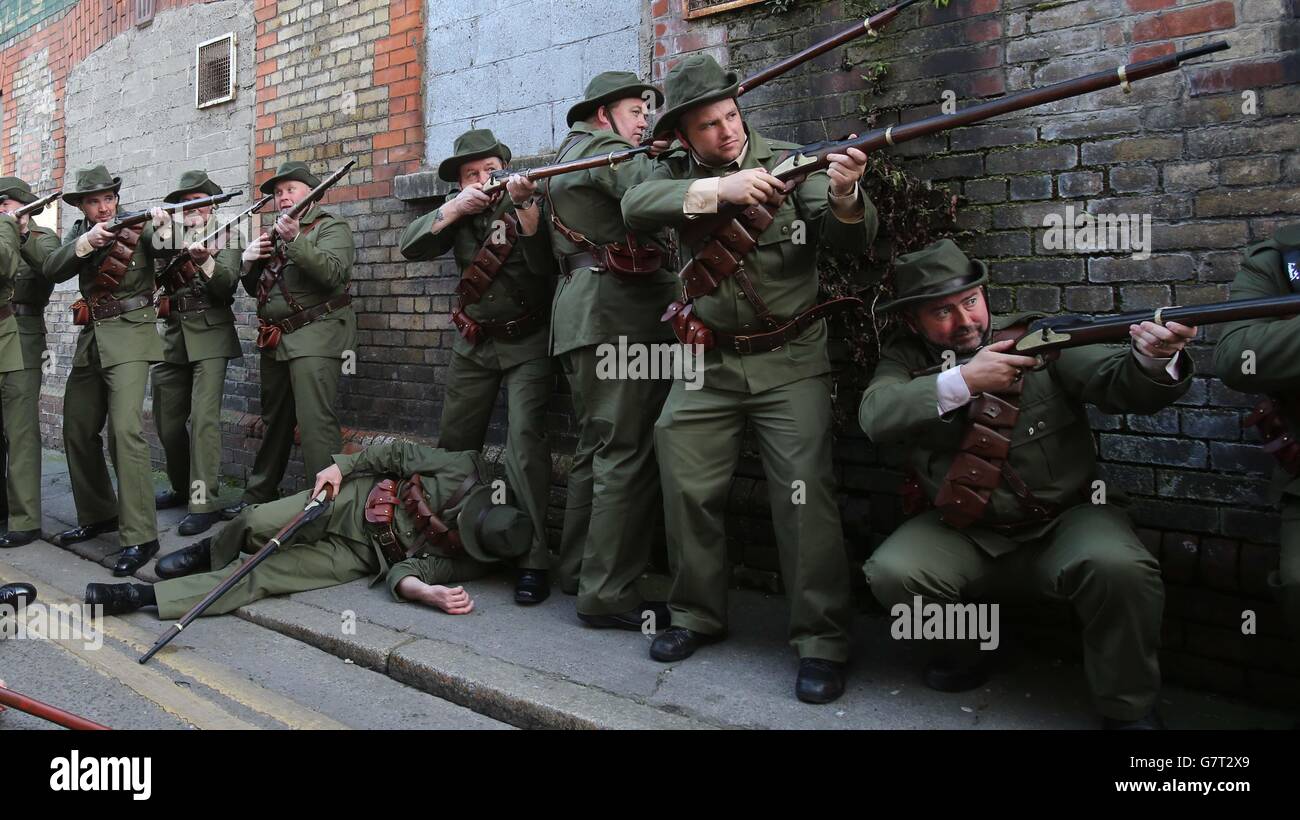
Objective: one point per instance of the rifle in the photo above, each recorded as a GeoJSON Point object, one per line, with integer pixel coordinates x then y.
{"type": "Point", "coordinates": [1045, 338]}
{"type": "Point", "coordinates": [54, 714]}
{"type": "Point", "coordinates": [140, 217]}
{"type": "Point", "coordinates": [314, 509]}
{"type": "Point", "coordinates": [180, 269]}
{"type": "Point", "coordinates": [872, 25]}
{"type": "Point", "coordinates": [276, 263]}
{"type": "Point", "coordinates": [37, 205]}
{"type": "Point", "coordinates": [812, 158]}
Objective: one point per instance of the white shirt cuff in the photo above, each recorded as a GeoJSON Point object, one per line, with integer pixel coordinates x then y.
{"type": "Point", "coordinates": [83, 246]}
{"type": "Point", "coordinates": [953, 392]}
{"type": "Point", "coordinates": [702, 197]}
{"type": "Point", "coordinates": [1153, 366]}
{"type": "Point", "coordinates": [208, 266]}
{"type": "Point", "coordinates": [848, 209]}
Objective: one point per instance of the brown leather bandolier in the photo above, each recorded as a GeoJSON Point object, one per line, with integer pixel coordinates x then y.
{"type": "Point", "coordinates": [381, 507]}
{"type": "Point", "coordinates": [629, 260]}
{"type": "Point", "coordinates": [1279, 438]}
{"type": "Point", "coordinates": [722, 257]}
{"type": "Point", "coordinates": [478, 278]}
{"type": "Point", "coordinates": [177, 284]}
{"type": "Point", "coordinates": [269, 333]}
{"type": "Point", "coordinates": [983, 461]}
{"type": "Point", "coordinates": [100, 304]}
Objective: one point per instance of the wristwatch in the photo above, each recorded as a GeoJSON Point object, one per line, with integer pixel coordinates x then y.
{"type": "Point", "coordinates": [527, 203]}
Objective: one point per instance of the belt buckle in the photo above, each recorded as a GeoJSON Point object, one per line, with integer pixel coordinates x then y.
{"type": "Point", "coordinates": [741, 344]}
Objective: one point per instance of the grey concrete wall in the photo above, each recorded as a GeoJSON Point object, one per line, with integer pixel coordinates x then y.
{"type": "Point", "coordinates": [130, 106]}
{"type": "Point", "coordinates": [516, 66]}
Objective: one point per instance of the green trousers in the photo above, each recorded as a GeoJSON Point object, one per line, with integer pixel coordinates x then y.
{"type": "Point", "coordinates": [20, 395]}
{"type": "Point", "coordinates": [92, 396]}
{"type": "Point", "coordinates": [611, 516]}
{"type": "Point", "coordinates": [191, 392]}
{"type": "Point", "coordinates": [466, 411]}
{"type": "Point", "coordinates": [313, 559]}
{"type": "Point", "coordinates": [1091, 558]}
{"type": "Point", "coordinates": [698, 439]}
{"type": "Point", "coordinates": [295, 392]}
{"type": "Point", "coordinates": [1287, 580]}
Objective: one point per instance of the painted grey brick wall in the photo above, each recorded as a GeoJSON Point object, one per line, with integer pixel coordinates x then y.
{"type": "Point", "coordinates": [516, 66]}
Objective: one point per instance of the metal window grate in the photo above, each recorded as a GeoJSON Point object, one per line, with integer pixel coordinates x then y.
{"type": "Point", "coordinates": [214, 71]}
{"type": "Point", "coordinates": [144, 12]}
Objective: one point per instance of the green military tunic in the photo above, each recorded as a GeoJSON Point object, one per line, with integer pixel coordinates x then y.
{"type": "Point", "coordinates": [300, 377]}
{"type": "Point", "coordinates": [109, 374]}
{"type": "Point", "coordinates": [521, 287]}
{"type": "Point", "coordinates": [1273, 348]}
{"type": "Point", "coordinates": [21, 389]}
{"type": "Point", "coordinates": [1088, 554]}
{"type": "Point", "coordinates": [786, 396]}
{"type": "Point", "coordinates": [338, 547]}
{"type": "Point", "coordinates": [612, 510]}
{"type": "Point", "coordinates": [189, 383]}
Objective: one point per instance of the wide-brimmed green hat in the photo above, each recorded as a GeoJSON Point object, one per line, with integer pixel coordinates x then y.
{"type": "Point", "coordinates": [194, 182]}
{"type": "Point", "coordinates": [474, 144]}
{"type": "Point", "coordinates": [938, 269]}
{"type": "Point", "coordinates": [15, 188]}
{"type": "Point", "coordinates": [92, 181]}
{"type": "Point", "coordinates": [296, 171]}
{"type": "Point", "coordinates": [697, 80]}
{"type": "Point", "coordinates": [493, 532]}
{"type": "Point", "coordinates": [1288, 236]}
{"type": "Point", "coordinates": [608, 87]}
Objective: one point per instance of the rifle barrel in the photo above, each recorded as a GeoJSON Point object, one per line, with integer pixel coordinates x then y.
{"type": "Point", "coordinates": [871, 25]}
{"type": "Point", "coordinates": [54, 714]}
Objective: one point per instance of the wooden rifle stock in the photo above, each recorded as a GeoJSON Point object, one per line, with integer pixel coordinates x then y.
{"type": "Point", "coordinates": [53, 714]}
{"type": "Point", "coordinates": [140, 217]}
{"type": "Point", "coordinates": [178, 261]}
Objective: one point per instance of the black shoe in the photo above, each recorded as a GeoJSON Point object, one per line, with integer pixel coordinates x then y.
{"type": "Point", "coordinates": [632, 619]}
{"type": "Point", "coordinates": [1150, 721]}
{"type": "Point", "coordinates": [167, 499]}
{"type": "Point", "coordinates": [532, 586]}
{"type": "Point", "coordinates": [84, 533]}
{"type": "Point", "coordinates": [230, 513]}
{"type": "Point", "coordinates": [119, 599]}
{"type": "Point", "coordinates": [819, 680]}
{"type": "Point", "coordinates": [677, 643]}
{"type": "Point", "coordinates": [16, 595]}
{"type": "Point", "coordinates": [197, 557]}
{"type": "Point", "coordinates": [132, 558]}
{"type": "Point", "coordinates": [18, 538]}
{"type": "Point", "coordinates": [195, 523]}
{"type": "Point", "coordinates": [957, 673]}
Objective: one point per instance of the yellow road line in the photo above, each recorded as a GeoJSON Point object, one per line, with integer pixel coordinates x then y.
{"type": "Point", "coordinates": [215, 676]}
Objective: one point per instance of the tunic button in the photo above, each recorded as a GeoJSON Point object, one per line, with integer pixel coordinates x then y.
{"type": "Point", "coordinates": [740, 295]}
{"type": "Point", "coordinates": [490, 297]}
{"type": "Point", "coordinates": [785, 229]}
{"type": "Point", "coordinates": [1042, 425]}
{"type": "Point", "coordinates": [1031, 431]}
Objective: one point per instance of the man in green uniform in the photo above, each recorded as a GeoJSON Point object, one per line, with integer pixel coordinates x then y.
{"type": "Point", "coordinates": [501, 317]}
{"type": "Point", "coordinates": [116, 345]}
{"type": "Point", "coordinates": [417, 516]}
{"type": "Point", "coordinates": [198, 340]}
{"type": "Point", "coordinates": [778, 383]}
{"type": "Point", "coordinates": [307, 330]}
{"type": "Point", "coordinates": [21, 389]}
{"type": "Point", "coordinates": [1262, 356]}
{"type": "Point", "coordinates": [612, 508]}
{"type": "Point", "coordinates": [1005, 454]}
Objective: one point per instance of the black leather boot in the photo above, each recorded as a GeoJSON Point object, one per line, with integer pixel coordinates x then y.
{"type": "Point", "coordinates": [132, 558]}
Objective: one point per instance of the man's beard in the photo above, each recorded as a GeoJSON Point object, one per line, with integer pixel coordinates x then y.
{"type": "Point", "coordinates": [970, 341]}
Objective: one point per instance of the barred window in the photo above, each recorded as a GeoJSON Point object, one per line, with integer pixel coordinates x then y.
{"type": "Point", "coordinates": [214, 71]}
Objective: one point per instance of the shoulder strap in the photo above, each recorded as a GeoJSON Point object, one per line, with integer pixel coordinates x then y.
{"type": "Point", "coordinates": [567, 232]}
{"type": "Point", "coordinates": [487, 262]}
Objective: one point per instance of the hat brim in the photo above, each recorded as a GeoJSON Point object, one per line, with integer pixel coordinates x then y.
{"type": "Point", "coordinates": [668, 120]}
{"type": "Point", "coordinates": [296, 175]}
{"type": "Point", "coordinates": [469, 522]}
{"type": "Point", "coordinates": [980, 277]}
{"type": "Point", "coordinates": [208, 188]}
{"type": "Point", "coordinates": [1288, 236]}
{"type": "Point", "coordinates": [25, 197]}
{"type": "Point", "coordinates": [75, 197]}
{"type": "Point", "coordinates": [585, 108]}
{"type": "Point", "coordinates": [449, 168]}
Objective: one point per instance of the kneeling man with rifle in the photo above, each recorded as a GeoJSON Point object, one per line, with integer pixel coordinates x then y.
{"type": "Point", "coordinates": [999, 444]}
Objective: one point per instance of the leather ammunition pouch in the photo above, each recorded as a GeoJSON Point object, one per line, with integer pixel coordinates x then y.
{"type": "Point", "coordinates": [120, 253]}
{"type": "Point", "coordinates": [1279, 438]}
{"type": "Point", "coordinates": [381, 509]}
{"type": "Point", "coordinates": [478, 278]}
{"type": "Point", "coordinates": [270, 333]}
{"type": "Point", "coordinates": [272, 275]}
{"type": "Point", "coordinates": [84, 312]}
{"type": "Point", "coordinates": [176, 278]}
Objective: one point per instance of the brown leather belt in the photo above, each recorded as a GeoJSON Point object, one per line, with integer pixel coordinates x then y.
{"type": "Point", "coordinates": [112, 308]}
{"type": "Point", "coordinates": [513, 329]}
{"type": "Point", "coordinates": [381, 509]}
{"type": "Point", "coordinates": [24, 309]}
{"type": "Point", "coordinates": [784, 334]}
{"type": "Point", "coordinates": [184, 303]}
{"type": "Point", "coordinates": [302, 318]}
{"type": "Point", "coordinates": [577, 261]}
